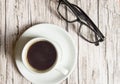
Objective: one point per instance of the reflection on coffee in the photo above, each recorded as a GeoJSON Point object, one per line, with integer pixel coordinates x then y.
{"type": "Point", "coordinates": [42, 55]}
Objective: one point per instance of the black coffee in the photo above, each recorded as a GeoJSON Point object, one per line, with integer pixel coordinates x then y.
{"type": "Point", "coordinates": [42, 55]}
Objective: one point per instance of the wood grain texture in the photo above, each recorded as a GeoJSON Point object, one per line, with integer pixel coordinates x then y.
{"type": "Point", "coordinates": [89, 53]}
{"type": "Point", "coordinates": [2, 44]}
{"type": "Point", "coordinates": [96, 65]}
{"type": "Point", "coordinates": [110, 24]}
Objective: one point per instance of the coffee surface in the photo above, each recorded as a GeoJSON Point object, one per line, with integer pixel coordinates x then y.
{"type": "Point", "coordinates": [42, 55]}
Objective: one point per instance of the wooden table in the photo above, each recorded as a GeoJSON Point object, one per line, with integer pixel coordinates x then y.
{"type": "Point", "coordinates": [96, 65]}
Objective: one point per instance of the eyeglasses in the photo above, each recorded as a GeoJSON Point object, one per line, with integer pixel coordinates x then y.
{"type": "Point", "coordinates": [87, 29]}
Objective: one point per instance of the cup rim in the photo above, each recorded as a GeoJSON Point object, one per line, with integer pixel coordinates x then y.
{"type": "Point", "coordinates": [26, 48]}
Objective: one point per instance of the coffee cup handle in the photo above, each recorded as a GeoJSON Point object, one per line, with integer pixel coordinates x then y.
{"type": "Point", "coordinates": [62, 70]}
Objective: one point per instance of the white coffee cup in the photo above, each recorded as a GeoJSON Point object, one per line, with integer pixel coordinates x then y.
{"type": "Point", "coordinates": [57, 64]}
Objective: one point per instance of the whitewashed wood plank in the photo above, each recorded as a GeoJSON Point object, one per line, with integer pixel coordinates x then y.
{"type": "Point", "coordinates": [23, 21]}
{"type": "Point", "coordinates": [2, 43]}
{"type": "Point", "coordinates": [110, 21]}
{"type": "Point", "coordinates": [10, 37]}
{"type": "Point", "coordinates": [103, 24]}
{"type": "Point", "coordinates": [12, 31]}
{"type": "Point", "coordinates": [89, 53]}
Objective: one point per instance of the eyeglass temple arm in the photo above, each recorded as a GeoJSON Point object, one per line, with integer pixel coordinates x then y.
{"type": "Point", "coordinates": [86, 18]}
{"type": "Point", "coordinates": [81, 14]}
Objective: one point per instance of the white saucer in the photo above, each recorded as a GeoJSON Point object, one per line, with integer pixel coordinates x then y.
{"type": "Point", "coordinates": [60, 36]}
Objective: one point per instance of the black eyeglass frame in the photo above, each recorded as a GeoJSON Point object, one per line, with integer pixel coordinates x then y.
{"type": "Point", "coordinates": [82, 16]}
